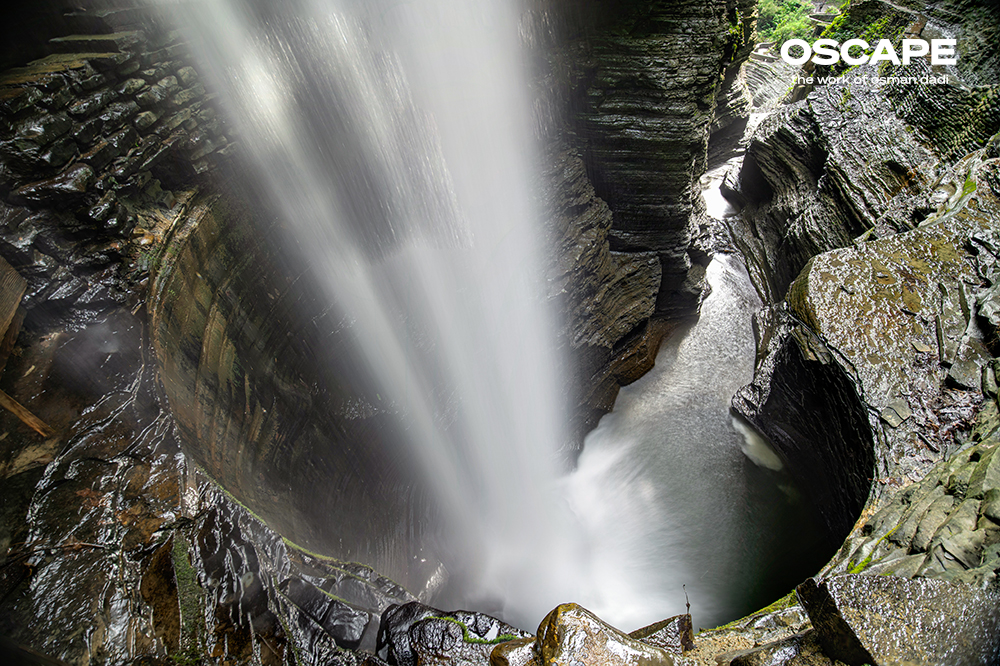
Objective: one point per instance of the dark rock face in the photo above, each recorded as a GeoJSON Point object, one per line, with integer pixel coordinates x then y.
{"type": "Point", "coordinates": [808, 407]}
{"type": "Point", "coordinates": [279, 419]}
{"type": "Point", "coordinates": [346, 625]}
{"type": "Point", "coordinates": [648, 102]}
{"type": "Point", "coordinates": [88, 157]}
{"type": "Point", "coordinates": [603, 296]}
{"type": "Point", "coordinates": [813, 183]}
{"type": "Point", "coordinates": [890, 620]}
{"type": "Point", "coordinates": [627, 98]}
{"type": "Point", "coordinates": [847, 161]}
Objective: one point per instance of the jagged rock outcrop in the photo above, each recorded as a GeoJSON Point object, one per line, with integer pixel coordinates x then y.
{"type": "Point", "coordinates": [604, 296]}
{"type": "Point", "coordinates": [856, 157]}
{"type": "Point", "coordinates": [93, 137]}
{"type": "Point", "coordinates": [811, 183]}
{"type": "Point", "coordinates": [414, 634]}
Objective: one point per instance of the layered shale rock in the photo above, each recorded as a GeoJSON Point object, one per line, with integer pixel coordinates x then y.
{"type": "Point", "coordinates": [606, 298]}
{"type": "Point", "coordinates": [626, 100]}
{"type": "Point", "coordinates": [855, 157]}
{"type": "Point", "coordinates": [652, 79]}
{"type": "Point", "coordinates": [93, 138]}
{"type": "Point", "coordinates": [901, 317]}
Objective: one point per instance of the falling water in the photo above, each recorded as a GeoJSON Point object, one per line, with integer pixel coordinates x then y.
{"type": "Point", "coordinates": [393, 138]}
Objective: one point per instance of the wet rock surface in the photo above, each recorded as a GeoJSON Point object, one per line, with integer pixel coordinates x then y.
{"type": "Point", "coordinates": [571, 634]}
{"type": "Point", "coordinates": [675, 634]}
{"type": "Point", "coordinates": [890, 620]}
{"type": "Point", "coordinates": [414, 634]}
{"type": "Point", "coordinates": [93, 138]}
{"type": "Point", "coordinates": [110, 523]}
{"type": "Point", "coordinates": [116, 548]}
{"type": "Point", "coordinates": [901, 314]}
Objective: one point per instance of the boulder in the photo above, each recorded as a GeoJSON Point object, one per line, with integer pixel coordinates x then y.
{"type": "Point", "coordinates": [573, 636]}
{"type": "Point", "coordinates": [394, 632]}
{"type": "Point", "coordinates": [520, 652]}
{"type": "Point", "coordinates": [875, 620]}
{"type": "Point", "coordinates": [675, 634]}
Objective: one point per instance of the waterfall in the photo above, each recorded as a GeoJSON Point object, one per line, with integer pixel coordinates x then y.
{"type": "Point", "coordinates": [394, 139]}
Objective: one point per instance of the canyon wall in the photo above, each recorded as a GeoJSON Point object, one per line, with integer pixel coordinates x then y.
{"type": "Point", "coordinates": [869, 217]}
{"type": "Point", "coordinates": [627, 98]}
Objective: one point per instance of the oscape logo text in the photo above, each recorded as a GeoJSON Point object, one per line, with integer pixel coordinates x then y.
{"type": "Point", "coordinates": [830, 52]}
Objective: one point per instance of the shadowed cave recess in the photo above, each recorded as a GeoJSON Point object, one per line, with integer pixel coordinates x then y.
{"type": "Point", "coordinates": [362, 278]}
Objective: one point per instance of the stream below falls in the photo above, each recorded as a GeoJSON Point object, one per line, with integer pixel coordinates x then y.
{"type": "Point", "coordinates": [668, 493]}
{"type": "Point", "coordinates": [679, 500]}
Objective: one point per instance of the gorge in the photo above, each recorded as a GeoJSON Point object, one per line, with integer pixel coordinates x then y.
{"type": "Point", "coordinates": [166, 307]}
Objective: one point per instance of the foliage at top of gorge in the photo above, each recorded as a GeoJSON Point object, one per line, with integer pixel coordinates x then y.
{"type": "Point", "coordinates": [781, 20]}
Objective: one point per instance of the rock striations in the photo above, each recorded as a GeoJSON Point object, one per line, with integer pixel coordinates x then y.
{"type": "Point", "coordinates": [627, 98]}
{"type": "Point", "coordinates": [870, 210]}
{"type": "Point", "coordinates": [92, 139]}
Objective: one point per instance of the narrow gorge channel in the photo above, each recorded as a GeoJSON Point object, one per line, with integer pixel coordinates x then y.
{"type": "Point", "coordinates": [678, 497]}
